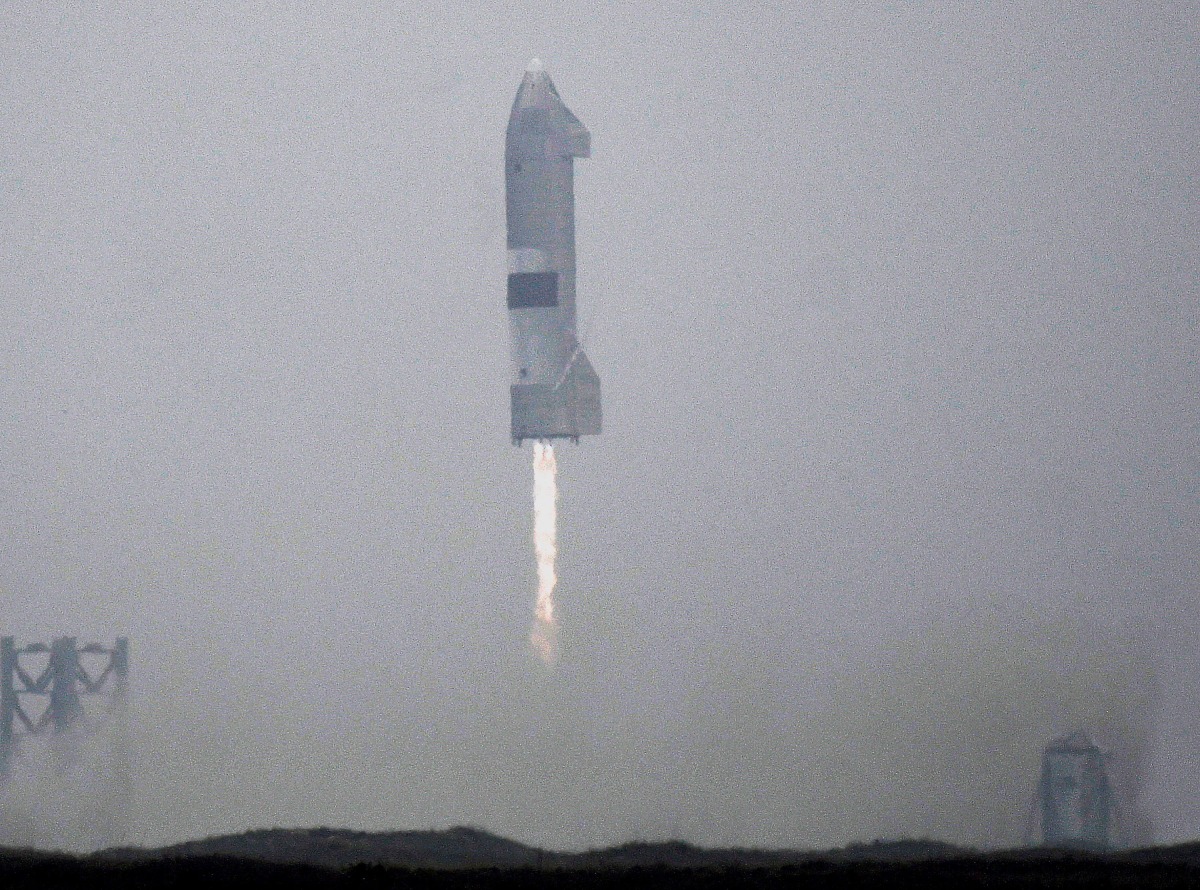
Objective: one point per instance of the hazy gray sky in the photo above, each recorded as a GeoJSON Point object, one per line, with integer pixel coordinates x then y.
{"type": "Point", "coordinates": [895, 308]}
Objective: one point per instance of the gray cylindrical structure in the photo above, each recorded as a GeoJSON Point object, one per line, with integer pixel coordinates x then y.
{"type": "Point", "coordinates": [555, 392]}
{"type": "Point", "coordinates": [65, 707]}
{"type": "Point", "coordinates": [1075, 795]}
{"type": "Point", "coordinates": [120, 664]}
{"type": "Point", "coordinates": [8, 703]}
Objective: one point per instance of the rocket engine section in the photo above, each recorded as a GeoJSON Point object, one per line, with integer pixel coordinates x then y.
{"type": "Point", "coordinates": [1075, 795]}
{"type": "Point", "coordinates": [555, 393]}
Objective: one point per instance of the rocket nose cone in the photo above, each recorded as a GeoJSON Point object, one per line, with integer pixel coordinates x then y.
{"type": "Point", "coordinates": [536, 90]}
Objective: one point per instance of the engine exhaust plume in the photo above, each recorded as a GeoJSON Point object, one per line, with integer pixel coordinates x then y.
{"type": "Point", "coordinates": [544, 635]}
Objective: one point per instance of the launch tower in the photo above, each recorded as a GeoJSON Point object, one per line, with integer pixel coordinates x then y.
{"type": "Point", "coordinates": [43, 688]}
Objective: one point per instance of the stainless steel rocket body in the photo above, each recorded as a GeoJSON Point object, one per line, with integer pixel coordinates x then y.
{"type": "Point", "coordinates": [555, 392]}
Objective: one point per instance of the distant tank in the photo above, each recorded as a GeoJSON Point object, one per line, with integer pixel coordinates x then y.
{"type": "Point", "coordinates": [1075, 795]}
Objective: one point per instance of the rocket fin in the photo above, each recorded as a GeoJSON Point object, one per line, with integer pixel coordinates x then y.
{"type": "Point", "coordinates": [567, 410]}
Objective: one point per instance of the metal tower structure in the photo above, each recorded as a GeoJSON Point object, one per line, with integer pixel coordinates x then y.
{"type": "Point", "coordinates": [63, 681]}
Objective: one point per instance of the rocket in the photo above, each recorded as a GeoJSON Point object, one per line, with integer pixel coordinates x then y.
{"type": "Point", "coordinates": [555, 391]}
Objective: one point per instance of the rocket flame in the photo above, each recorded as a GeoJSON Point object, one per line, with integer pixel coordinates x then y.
{"type": "Point", "coordinates": [544, 635]}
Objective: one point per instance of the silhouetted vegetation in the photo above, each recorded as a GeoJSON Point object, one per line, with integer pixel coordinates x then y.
{"type": "Point", "coordinates": [44, 872]}
{"type": "Point", "coordinates": [471, 858]}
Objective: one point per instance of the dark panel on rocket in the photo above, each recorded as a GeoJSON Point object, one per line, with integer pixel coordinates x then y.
{"type": "Point", "coordinates": [533, 290]}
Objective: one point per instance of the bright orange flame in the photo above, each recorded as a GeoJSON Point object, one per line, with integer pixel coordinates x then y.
{"type": "Point", "coordinates": [544, 636]}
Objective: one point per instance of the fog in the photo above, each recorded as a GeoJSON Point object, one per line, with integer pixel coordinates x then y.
{"type": "Point", "coordinates": [895, 309]}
